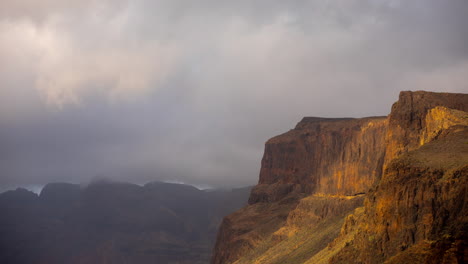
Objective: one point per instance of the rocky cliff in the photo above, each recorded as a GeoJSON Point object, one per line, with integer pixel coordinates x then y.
{"type": "Point", "coordinates": [364, 190]}
{"type": "Point", "coordinates": [341, 156]}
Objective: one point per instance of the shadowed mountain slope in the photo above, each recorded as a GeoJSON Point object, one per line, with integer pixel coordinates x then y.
{"type": "Point", "coordinates": [110, 222]}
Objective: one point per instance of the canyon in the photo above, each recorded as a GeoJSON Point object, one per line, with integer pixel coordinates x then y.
{"type": "Point", "coordinates": [389, 189]}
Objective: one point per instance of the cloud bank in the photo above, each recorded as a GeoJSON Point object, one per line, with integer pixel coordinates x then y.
{"type": "Point", "coordinates": [174, 90]}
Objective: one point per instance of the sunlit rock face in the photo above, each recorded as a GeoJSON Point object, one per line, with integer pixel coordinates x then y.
{"type": "Point", "coordinates": [322, 155]}
{"type": "Point", "coordinates": [418, 212]}
{"type": "Point", "coordinates": [410, 168]}
{"type": "Point", "coordinates": [407, 120]}
{"type": "Point", "coordinates": [439, 119]}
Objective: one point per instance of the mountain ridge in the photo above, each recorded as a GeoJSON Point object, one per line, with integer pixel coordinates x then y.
{"type": "Point", "coordinates": [113, 222]}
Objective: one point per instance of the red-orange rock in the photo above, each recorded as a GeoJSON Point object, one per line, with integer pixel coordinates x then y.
{"type": "Point", "coordinates": [322, 155]}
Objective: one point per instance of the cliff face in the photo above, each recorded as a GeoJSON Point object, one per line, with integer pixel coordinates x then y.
{"type": "Point", "coordinates": [322, 155]}
{"type": "Point", "coordinates": [412, 166]}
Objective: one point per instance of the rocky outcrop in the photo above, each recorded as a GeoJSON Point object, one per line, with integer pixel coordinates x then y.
{"type": "Point", "coordinates": [439, 119]}
{"type": "Point", "coordinates": [411, 167]}
{"type": "Point", "coordinates": [407, 120]}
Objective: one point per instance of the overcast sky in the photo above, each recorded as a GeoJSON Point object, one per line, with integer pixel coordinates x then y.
{"type": "Point", "coordinates": [189, 91]}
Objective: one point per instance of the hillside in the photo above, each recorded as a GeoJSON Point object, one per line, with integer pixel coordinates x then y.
{"type": "Point", "coordinates": [110, 222]}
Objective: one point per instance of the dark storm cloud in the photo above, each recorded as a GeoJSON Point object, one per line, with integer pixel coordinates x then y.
{"type": "Point", "coordinates": [190, 91]}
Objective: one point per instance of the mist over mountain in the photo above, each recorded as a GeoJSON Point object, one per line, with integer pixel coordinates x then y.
{"type": "Point", "coordinates": [113, 222]}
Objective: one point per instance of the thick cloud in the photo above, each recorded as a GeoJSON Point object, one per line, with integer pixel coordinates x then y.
{"type": "Point", "coordinates": [190, 91]}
